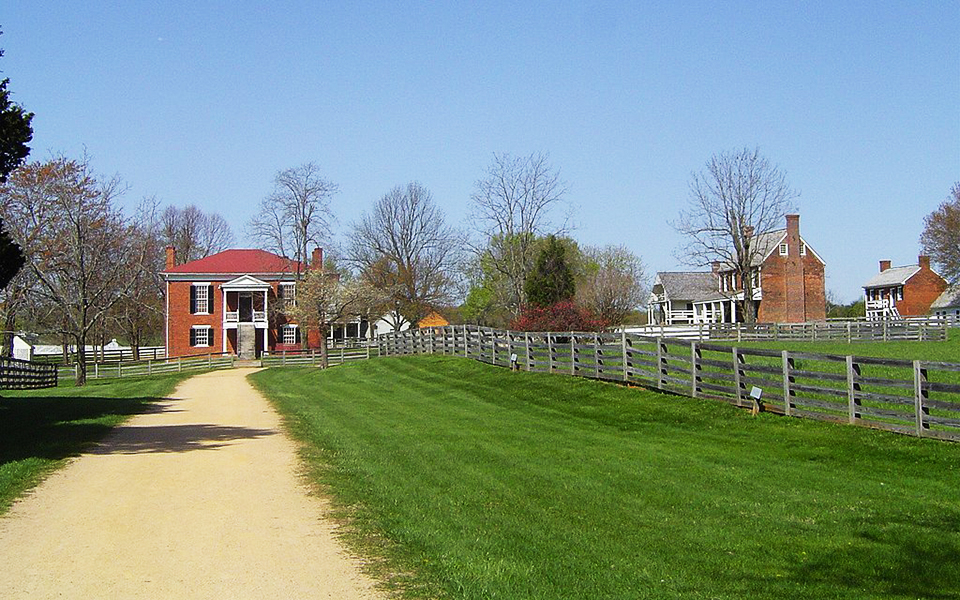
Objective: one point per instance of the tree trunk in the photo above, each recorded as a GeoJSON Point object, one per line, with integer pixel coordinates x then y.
{"type": "Point", "coordinates": [9, 323]}
{"type": "Point", "coordinates": [82, 360]}
{"type": "Point", "coordinates": [323, 348]}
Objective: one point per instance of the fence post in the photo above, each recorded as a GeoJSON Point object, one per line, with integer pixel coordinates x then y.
{"type": "Point", "coordinates": [694, 369]}
{"type": "Point", "coordinates": [179, 364]}
{"type": "Point", "coordinates": [96, 370]}
{"type": "Point", "coordinates": [149, 367]}
{"type": "Point", "coordinates": [623, 350]}
{"type": "Point", "coordinates": [573, 354]}
{"type": "Point", "coordinates": [596, 355]}
{"type": "Point", "coordinates": [210, 361]}
{"type": "Point", "coordinates": [550, 352]}
{"type": "Point", "coordinates": [120, 370]}
{"type": "Point", "coordinates": [853, 400]}
{"type": "Point", "coordinates": [919, 395]}
{"type": "Point", "coordinates": [787, 379]}
{"type": "Point", "coordinates": [661, 361]}
{"type": "Point", "coordinates": [343, 354]}
{"type": "Point", "coordinates": [466, 350]}
{"type": "Point", "coordinates": [737, 375]}
{"type": "Point", "coordinates": [884, 329]}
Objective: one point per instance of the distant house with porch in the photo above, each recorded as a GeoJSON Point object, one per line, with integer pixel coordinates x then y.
{"type": "Point", "coordinates": [787, 277]}
{"type": "Point", "coordinates": [233, 302]}
{"type": "Point", "coordinates": [907, 291]}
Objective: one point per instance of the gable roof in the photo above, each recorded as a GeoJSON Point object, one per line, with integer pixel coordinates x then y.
{"type": "Point", "coordinates": [240, 262]}
{"type": "Point", "coordinates": [892, 276]}
{"type": "Point", "coordinates": [767, 243]}
{"type": "Point", "coordinates": [688, 285]}
{"type": "Point", "coordinates": [949, 298]}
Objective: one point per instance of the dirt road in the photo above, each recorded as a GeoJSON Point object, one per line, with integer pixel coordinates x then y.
{"type": "Point", "coordinates": [198, 499]}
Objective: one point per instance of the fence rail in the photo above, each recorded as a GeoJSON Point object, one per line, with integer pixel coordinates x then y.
{"type": "Point", "coordinates": [915, 397]}
{"type": "Point", "coordinates": [335, 356]}
{"type": "Point", "coordinates": [98, 355]}
{"type": "Point", "coordinates": [24, 375]}
{"type": "Point", "coordinates": [147, 367]}
{"type": "Point", "coordinates": [932, 329]}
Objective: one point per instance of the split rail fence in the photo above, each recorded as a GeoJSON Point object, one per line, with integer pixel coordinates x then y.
{"type": "Point", "coordinates": [25, 375]}
{"type": "Point", "coordinates": [142, 368]}
{"type": "Point", "coordinates": [335, 356]}
{"type": "Point", "coordinates": [838, 331]}
{"type": "Point", "coordinates": [914, 397]}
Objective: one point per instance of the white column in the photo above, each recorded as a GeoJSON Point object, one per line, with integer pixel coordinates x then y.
{"type": "Point", "coordinates": [223, 318]}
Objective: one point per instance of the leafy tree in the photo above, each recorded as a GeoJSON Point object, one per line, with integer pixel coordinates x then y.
{"type": "Point", "coordinates": [551, 280]}
{"type": "Point", "coordinates": [511, 210]}
{"type": "Point", "coordinates": [15, 131]}
{"type": "Point", "coordinates": [739, 197]}
{"type": "Point", "coordinates": [562, 316]}
{"type": "Point", "coordinates": [405, 248]}
{"type": "Point", "coordinates": [941, 236]}
{"type": "Point", "coordinates": [613, 285]}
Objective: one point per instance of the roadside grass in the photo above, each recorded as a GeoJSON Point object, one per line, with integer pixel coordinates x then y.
{"type": "Point", "coordinates": [469, 481]}
{"type": "Point", "coordinates": [41, 429]}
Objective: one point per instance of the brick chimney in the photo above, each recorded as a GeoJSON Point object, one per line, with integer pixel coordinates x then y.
{"type": "Point", "coordinates": [171, 258]}
{"type": "Point", "coordinates": [794, 285]}
{"type": "Point", "coordinates": [884, 265]}
{"type": "Point", "coordinates": [924, 262]}
{"type": "Point", "coordinates": [716, 266]}
{"type": "Point", "coordinates": [793, 227]}
{"type": "Point", "coordinates": [317, 261]}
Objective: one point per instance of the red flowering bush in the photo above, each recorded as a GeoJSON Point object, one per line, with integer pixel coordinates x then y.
{"type": "Point", "coordinates": [562, 316]}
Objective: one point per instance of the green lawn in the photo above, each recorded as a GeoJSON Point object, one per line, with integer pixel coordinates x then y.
{"type": "Point", "coordinates": [474, 482]}
{"type": "Point", "coordinates": [947, 351]}
{"type": "Point", "coordinates": [40, 429]}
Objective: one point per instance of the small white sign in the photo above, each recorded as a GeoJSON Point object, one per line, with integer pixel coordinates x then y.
{"type": "Point", "coordinates": [513, 358]}
{"type": "Point", "coordinates": [755, 393]}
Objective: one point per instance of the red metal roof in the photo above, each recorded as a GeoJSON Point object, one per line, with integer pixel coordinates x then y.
{"type": "Point", "coordinates": [239, 262]}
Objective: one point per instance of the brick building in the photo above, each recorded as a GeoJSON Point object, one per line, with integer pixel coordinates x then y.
{"type": "Point", "coordinates": [788, 285]}
{"type": "Point", "coordinates": [233, 302]}
{"type": "Point", "coordinates": [906, 291]}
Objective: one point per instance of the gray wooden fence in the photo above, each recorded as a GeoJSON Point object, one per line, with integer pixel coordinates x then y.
{"type": "Point", "coordinates": [914, 329]}
{"type": "Point", "coordinates": [915, 397]}
{"type": "Point", "coordinates": [23, 375]}
{"type": "Point", "coordinates": [147, 367]}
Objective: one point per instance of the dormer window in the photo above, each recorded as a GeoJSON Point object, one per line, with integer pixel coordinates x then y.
{"type": "Point", "coordinates": [783, 249]}
{"type": "Point", "coordinates": [803, 249]}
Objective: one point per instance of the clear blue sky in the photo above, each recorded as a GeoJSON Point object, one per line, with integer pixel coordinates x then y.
{"type": "Point", "coordinates": [202, 103]}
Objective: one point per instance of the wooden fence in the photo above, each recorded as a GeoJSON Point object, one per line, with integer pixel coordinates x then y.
{"type": "Point", "coordinates": [24, 375]}
{"type": "Point", "coordinates": [98, 355]}
{"type": "Point", "coordinates": [838, 331]}
{"type": "Point", "coordinates": [915, 397]}
{"type": "Point", "coordinates": [148, 367]}
{"type": "Point", "coordinates": [335, 356]}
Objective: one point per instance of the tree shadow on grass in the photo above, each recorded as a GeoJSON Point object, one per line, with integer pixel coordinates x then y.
{"type": "Point", "coordinates": [58, 427]}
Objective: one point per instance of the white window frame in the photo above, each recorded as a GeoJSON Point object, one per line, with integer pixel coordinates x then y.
{"type": "Point", "coordinates": [206, 299]}
{"type": "Point", "coordinates": [209, 333]}
{"type": "Point", "coordinates": [784, 249]}
{"type": "Point", "coordinates": [284, 331]}
{"type": "Point", "coordinates": [289, 293]}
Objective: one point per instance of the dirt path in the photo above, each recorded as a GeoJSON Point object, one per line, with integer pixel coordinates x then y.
{"type": "Point", "coordinates": [199, 499]}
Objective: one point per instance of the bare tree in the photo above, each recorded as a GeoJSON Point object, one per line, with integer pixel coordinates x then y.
{"type": "Point", "coordinates": [193, 233]}
{"type": "Point", "coordinates": [941, 236]}
{"type": "Point", "coordinates": [614, 283]}
{"type": "Point", "coordinates": [404, 247]}
{"type": "Point", "coordinates": [86, 257]}
{"type": "Point", "coordinates": [323, 298]}
{"type": "Point", "coordinates": [739, 197]}
{"type": "Point", "coordinates": [297, 215]}
{"type": "Point", "coordinates": [511, 209]}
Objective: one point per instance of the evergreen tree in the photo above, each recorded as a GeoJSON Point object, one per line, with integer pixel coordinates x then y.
{"type": "Point", "coordinates": [551, 279]}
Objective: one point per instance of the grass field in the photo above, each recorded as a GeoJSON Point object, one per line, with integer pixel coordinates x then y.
{"type": "Point", "coordinates": [474, 482]}
{"type": "Point", "coordinates": [947, 351]}
{"type": "Point", "coordinates": [40, 429]}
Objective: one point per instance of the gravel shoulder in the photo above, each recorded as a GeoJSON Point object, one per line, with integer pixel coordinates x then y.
{"type": "Point", "coordinates": [200, 498]}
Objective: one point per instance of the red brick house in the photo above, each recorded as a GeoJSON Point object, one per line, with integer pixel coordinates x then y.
{"type": "Point", "coordinates": [788, 286]}
{"type": "Point", "coordinates": [233, 302]}
{"type": "Point", "coordinates": [907, 291]}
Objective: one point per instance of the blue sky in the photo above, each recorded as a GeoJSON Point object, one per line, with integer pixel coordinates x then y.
{"type": "Point", "coordinates": [202, 103]}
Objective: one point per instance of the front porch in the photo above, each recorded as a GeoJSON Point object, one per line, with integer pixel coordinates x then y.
{"type": "Point", "coordinates": [245, 316]}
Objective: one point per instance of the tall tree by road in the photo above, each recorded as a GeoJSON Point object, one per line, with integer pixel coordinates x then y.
{"type": "Point", "coordinates": [512, 207]}
{"type": "Point", "coordinates": [738, 197]}
{"type": "Point", "coordinates": [297, 215]}
{"type": "Point", "coordinates": [83, 254]}
{"type": "Point", "coordinates": [403, 246]}
{"type": "Point", "coordinates": [193, 233]}
{"type": "Point", "coordinates": [15, 131]}
{"type": "Point", "coordinates": [941, 236]}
